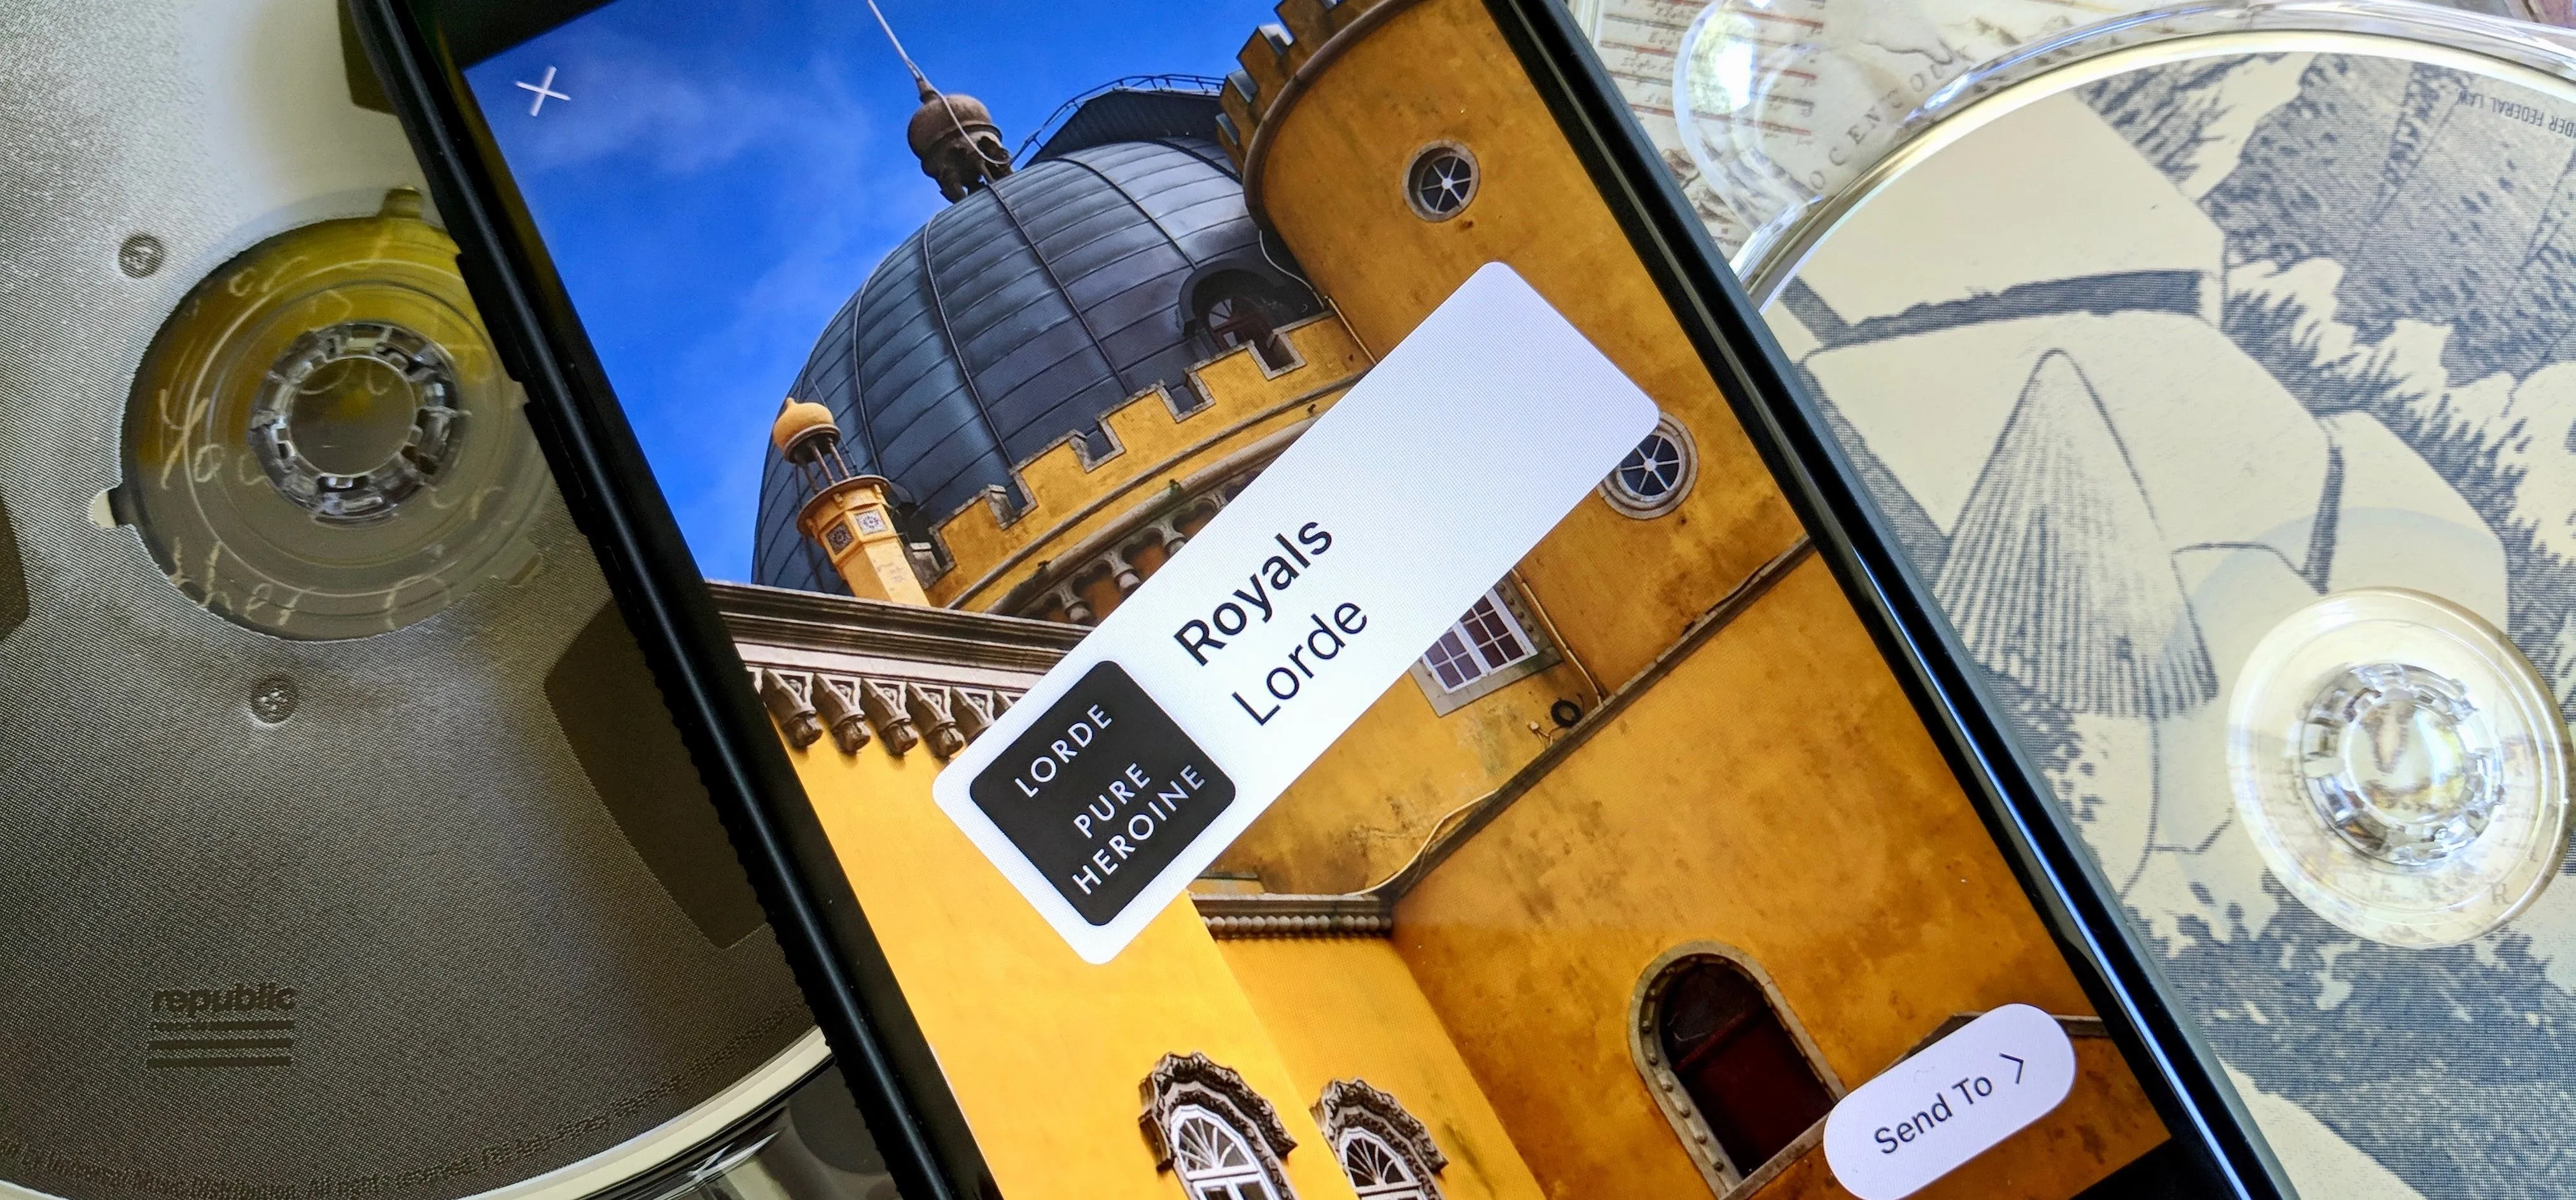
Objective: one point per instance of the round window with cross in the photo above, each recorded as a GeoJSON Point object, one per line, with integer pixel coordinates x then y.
{"type": "Point", "coordinates": [1441, 181]}
{"type": "Point", "coordinates": [1656, 475]}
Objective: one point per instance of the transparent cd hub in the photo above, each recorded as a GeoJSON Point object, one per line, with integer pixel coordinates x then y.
{"type": "Point", "coordinates": [2400, 762]}
{"type": "Point", "coordinates": [2400, 766]}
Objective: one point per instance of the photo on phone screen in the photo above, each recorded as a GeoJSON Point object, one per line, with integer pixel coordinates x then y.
{"type": "Point", "coordinates": [1292, 650]}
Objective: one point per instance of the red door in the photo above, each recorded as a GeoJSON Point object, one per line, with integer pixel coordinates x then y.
{"type": "Point", "coordinates": [1744, 1071]}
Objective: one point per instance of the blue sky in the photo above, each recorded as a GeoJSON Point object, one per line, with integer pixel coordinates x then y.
{"type": "Point", "coordinates": [725, 175]}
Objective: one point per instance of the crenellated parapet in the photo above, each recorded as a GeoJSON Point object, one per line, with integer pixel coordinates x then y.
{"type": "Point", "coordinates": [1277, 60]}
{"type": "Point", "coordinates": [1097, 523]}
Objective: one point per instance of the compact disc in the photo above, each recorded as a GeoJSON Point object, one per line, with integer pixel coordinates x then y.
{"type": "Point", "coordinates": [349, 849]}
{"type": "Point", "coordinates": [2210, 327]}
{"type": "Point", "coordinates": [321, 443]}
{"type": "Point", "coordinates": [2401, 767]}
{"type": "Point", "coordinates": [1780, 105]}
{"type": "Point", "coordinates": [1766, 109]}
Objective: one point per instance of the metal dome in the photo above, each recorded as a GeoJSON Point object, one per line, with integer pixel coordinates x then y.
{"type": "Point", "coordinates": [1015, 317]}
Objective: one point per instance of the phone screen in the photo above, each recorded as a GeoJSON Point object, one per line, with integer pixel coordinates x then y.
{"type": "Point", "coordinates": [1290, 645]}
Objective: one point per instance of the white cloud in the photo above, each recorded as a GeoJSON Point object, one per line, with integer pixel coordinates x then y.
{"type": "Point", "coordinates": [630, 102]}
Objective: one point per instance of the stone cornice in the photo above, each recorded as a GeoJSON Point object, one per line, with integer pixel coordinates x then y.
{"type": "Point", "coordinates": [1267, 914]}
{"type": "Point", "coordinates": [815, 623]}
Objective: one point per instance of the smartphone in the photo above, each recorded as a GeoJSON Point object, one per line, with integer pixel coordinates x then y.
{"type": "Point", "coordinates": [2247, 250]}
{"type": "Point", "coordinates": [1246, 577]}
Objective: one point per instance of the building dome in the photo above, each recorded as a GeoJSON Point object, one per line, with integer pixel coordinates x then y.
{"type": "Point", "coordinates": [1020, 314]}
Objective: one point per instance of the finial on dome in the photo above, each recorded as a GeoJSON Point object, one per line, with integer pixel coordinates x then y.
{"type": "Point", "coordinates": [799, 420]}
{"type": "Point", "coordinates": [953, 136]}
{"type": "Point", "coordinates": [846, 514]}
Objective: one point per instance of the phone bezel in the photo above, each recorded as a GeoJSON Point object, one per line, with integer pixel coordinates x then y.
{"type": "Point", "coordinates": [600, 467]}
{"type": "Point", "coordinates": [888, 1062]}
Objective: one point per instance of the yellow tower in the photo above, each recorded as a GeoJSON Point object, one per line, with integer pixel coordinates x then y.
{"type": "Point", "coordinates": [846, 513]}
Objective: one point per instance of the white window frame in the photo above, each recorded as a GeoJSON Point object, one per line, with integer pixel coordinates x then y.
{"type": "Point", "coordinates": [1405, 1187]}
{"type": "Point", "coordinates": [1355, 1116]}
{"type": "Point", "coordinates": [1215, 1181]}
{"type": "Point", "coordinates": [1514, 613]}
{"type": "Point", "coordinates": [1192, 1091]}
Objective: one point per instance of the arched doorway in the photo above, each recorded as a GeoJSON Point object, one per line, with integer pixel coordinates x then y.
{"type": "Point", "coordinates": [1726, 1064]}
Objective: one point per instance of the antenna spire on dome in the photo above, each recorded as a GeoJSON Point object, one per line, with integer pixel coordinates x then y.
{"type": "Point", "coordinates": [923, 81]}
{"type": "Point", "coordinates": [953, 135]}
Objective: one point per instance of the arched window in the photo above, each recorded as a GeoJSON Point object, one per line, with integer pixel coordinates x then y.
{"type": "Point", "coordinates": [1212, 1131]}
{"type": "Point", "coordinates": [1377, 1172]}
{"type": "Point", "coordinates": [1235, 319]}
{"type": "Point", "coordinates": [1386, 1151]}
{"type": "Point", "coordinates": [1737, 1078]}
{"type": "Point", "coordinates": [1239, 307]}
{"type": "Point", "coordinates": [1214, 1161]}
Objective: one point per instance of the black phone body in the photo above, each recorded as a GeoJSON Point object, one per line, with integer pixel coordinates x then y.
{"type": "Point", "coordinates": [423, 49]}
{"type": "Point", "coordinates": [888, 1065]}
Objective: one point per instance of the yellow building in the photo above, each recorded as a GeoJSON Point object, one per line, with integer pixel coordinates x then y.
{"type": "Point", "coordinates": [1648, 862]}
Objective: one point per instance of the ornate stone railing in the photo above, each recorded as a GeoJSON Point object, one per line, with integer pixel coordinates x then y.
{"type": "Point", "coordinates": [902, 676]}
